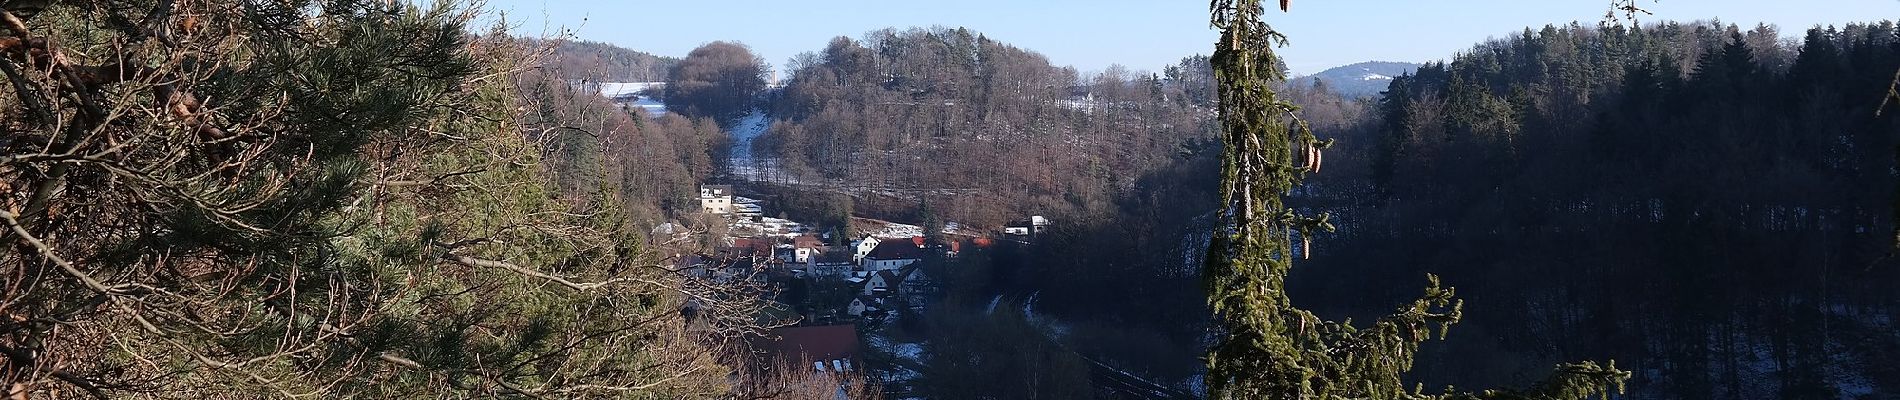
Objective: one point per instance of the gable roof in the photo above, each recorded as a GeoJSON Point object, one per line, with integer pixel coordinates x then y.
{"type": "Point", "coordinates": [811, 343]}
{"type": "Point", "coordinates": [896, 249]}
{"type": "Point", "coordinates": [890, 276]}
{"type": "Point", "coordinates": [751, 246]}
{"type": "Point", "coordinates": [807, 242]}
{"type": "Point", "coordinates": [832, 257]}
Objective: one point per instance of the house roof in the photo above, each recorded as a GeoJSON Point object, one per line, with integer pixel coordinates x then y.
{"type": "Point", "coordinates": [891, 277]}
{"type": "Point", "coordinates": [811, 343]}
{"type": "Point", "coordinates": [832, 257]}
{"type": "Point", "coordinates": [808, 242]}
{"type": "Point", "coordinates": [896, 249]}
{"type": "Point", "coordinates": [752, 246]}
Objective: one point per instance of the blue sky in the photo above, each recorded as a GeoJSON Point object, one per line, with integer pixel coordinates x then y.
{"type": "Point", "coordinates": [1142, 35]}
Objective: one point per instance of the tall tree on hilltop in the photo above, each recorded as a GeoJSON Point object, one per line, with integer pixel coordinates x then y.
{"type": "Point", "coordinates": [1270, 349]}
{"type": "Point", "coordinates": [717, 80]}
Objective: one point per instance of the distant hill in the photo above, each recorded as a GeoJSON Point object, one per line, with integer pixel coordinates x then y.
{"type": "Point", "coordinates": [1359, 80]}
{"type": "Point", "coordinates": [608, 63]}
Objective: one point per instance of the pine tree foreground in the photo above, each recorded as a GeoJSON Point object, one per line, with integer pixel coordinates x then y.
{"type": "Point", "coordinates": [1272, 350]}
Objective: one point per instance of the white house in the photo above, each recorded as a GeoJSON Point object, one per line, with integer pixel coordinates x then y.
{"type": "Point", "coordinates": [806, 247]}
{"type": "Point", "coordinates": [863, 304]}
{"type": "Point", "coordinates": [715, 199]}
{"type": "Point", "coordinates": [864, 247]}
{"type": "Point", "coordinates": [882, 282]}
{"type": "Point", "coordinates": [892, 254]}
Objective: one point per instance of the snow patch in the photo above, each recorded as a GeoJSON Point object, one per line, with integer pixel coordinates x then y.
{"type": "Point", "coordinates": [628, 94]}
{"type": "Point", "coordinates": [621, 89]}
{"type": "Point", "coordinates": [747, 128]}
{"type": "Point", "coordinates": [893, 230]}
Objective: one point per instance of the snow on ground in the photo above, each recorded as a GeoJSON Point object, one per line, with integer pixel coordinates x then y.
{"type": "Point", "coordinates": [908, 354]}
{"type": "Point", "coordinates": [1056, 330]}
{"type": "Point", "coordinates": [619, 89]}
{"type": "Point", "coordinates": [627, 94]}
{"type": "Point", "coordinates": [652, 107]}
{"type": "Point", "coordinates": [747, 128]}
{"type": "Point", "coordinates": [908, 351]}
{"type": "Point", "coordinates": [767, 170]}
{"type": "Point", "coordinates": [1375, 77]}
{"type": "Point", "coordinates": [769, 226]}
{"type": "Point", "coordinates": [890, 230]}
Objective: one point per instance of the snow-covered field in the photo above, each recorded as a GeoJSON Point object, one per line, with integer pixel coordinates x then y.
{"type": "Point", "coordinates": [627, 94]}
{"type": "Point", "coordinates": [749, 127]}
{"type": "Point", "coordinates": [893, 230]}
{"type": "Point", "coordinates": [618, 89]}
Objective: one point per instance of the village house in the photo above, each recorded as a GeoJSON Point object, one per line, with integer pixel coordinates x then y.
{"type": "Point", "coordinates": [747, 247]}
{"type": "Point", "coordinates": [882, 283]}
{"type": "Point", "coordinates": [864, 247]}
{"type": "Point", "coordinates": [891, 254]}
{"type": "Point", "coordinates": [863, 305]}
{"type": "Point", "coordinates": [830, 348]}
{"type": "Point", "coordinates": [715, 199]}
{"type": "Point", "coordinates": [833, 261]}
{"type": "Point", "coordinates": [806, 246]}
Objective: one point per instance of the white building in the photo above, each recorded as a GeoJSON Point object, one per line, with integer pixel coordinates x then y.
{"type": "Point", "coordinates": [864, 247]}
{"type": "Point", "coordinates": [715, 199]}
{"type": "Point", "coordinates": [861, 305]}
{"type": "Point", "coordinates": [882, 283]}
{"type": "Point", "coordinates": [891, 254]}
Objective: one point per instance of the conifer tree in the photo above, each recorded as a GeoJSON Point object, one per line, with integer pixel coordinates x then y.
{"type": "Point", "coordinates": [1269, 348]}
{"type": "Point", "coordinates": [338, 199]}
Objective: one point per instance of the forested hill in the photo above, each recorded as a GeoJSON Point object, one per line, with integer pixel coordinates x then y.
{"type": "Point", "coordinates": [1709, 205]}
{"type": "Point", "coordinates": [580, 59]}
{"type": "Point", "coordinates": [1358, 80]}
{"type": "Point", "coordinates": [952, 111]}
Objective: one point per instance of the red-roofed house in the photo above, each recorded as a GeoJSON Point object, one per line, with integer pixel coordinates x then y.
{"type": "Point", "coordinates": [748, 247]}
{"type": "Point", "coordinates": [804, 247]}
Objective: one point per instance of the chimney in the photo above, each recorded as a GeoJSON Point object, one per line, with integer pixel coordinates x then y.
{"type": "Point", "coordinates": [919, 240]}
